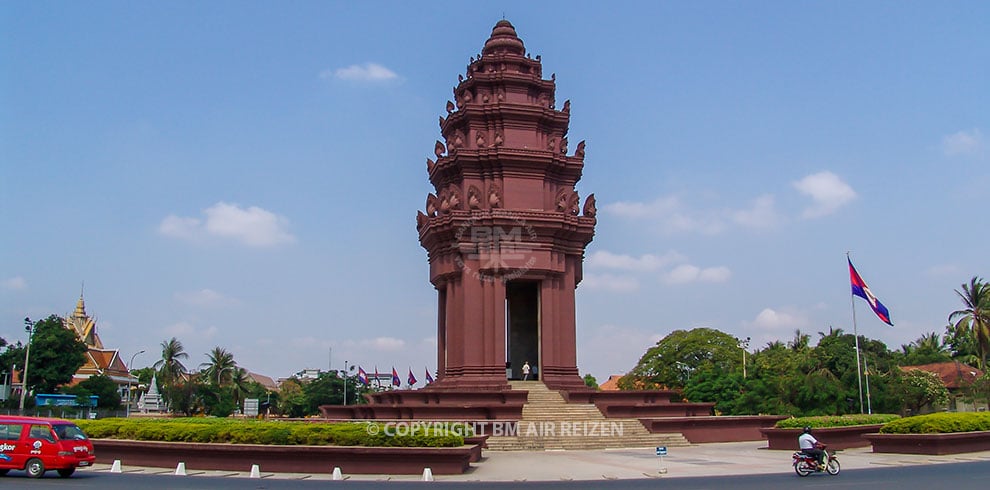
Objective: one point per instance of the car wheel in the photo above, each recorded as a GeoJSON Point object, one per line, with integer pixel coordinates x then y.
{"type": "Point", "coordinates": [35, 468]}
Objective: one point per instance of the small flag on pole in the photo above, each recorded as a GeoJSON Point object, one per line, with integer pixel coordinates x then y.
{"type": "Point", "coordinates": [859, 288]}
{"type": "Point", "coordinates": [395, 378]}
{"type": "Point", "coordinates": [429, 379]}
{"type": "Point", "coordinates": [362, 376]}
{"type": "Point", "coordinates": [411, 379]}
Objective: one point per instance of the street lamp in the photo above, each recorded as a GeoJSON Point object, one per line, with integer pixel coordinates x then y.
{"type": "Point", "coordinates": [345, 383]}
{"type": "Point", "coordinates": [29, 327]}
{"type": "Point", "coordinates": [745, 345]}
{"type": "Point", "coordinates": [130, 366]}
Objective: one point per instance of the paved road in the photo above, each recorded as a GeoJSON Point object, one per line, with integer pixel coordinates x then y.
{"type": "Point", "coordinates": [922, 477]}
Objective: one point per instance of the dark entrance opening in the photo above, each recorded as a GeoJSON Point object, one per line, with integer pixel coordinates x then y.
{"type": "Point", "coordinates": [522, 329]}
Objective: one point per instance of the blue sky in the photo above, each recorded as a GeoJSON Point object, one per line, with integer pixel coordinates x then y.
{"type": "Point", "coordinates": [247, 174]}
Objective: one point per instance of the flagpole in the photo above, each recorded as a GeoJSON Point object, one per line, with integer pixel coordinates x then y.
{"type": "Point", "coordinates": [859, 369]}
{"type": "Point", "coordinates": [869, 406]}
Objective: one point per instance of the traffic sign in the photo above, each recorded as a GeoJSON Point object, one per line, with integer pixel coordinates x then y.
{"type": "Point", "coordinates": [661, 450]}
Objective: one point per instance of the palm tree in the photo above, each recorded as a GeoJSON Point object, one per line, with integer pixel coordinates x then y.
{"type": "Point", "coordinates": [976, 316]}
{"type": "Point", "coordinates": [220, 366]}
{"type": "Point", "coordinates": [240, 384]}
{"type": "Point", "coordinates": [170, 366]}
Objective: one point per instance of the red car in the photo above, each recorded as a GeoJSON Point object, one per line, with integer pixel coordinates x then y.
{"type": "Point", "coordinates": [36, 445]}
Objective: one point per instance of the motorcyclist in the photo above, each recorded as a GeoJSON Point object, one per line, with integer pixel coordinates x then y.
{"type": "Point", "coordinates": [810, 446]}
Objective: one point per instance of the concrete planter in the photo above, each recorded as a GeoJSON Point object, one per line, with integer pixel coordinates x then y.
{"type": "Point", "coordinates": [288, 459]}
{"type": "Point", "coordinates": [714, 429]}
{"type": "Point", "coordinates": [834, 437]}
{"type": "Point", "coordinates": [953, 443]}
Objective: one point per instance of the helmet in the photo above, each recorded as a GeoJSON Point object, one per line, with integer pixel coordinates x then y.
{"type": "Point", "coordinates": [807, 430]}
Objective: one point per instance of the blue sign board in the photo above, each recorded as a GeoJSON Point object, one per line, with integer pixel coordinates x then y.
{"type": "Point", "coordinates": [661, 450]}
{"type": "Point", "coordinates": [51, 400]}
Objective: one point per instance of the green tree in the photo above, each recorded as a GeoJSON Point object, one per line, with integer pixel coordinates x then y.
{"type": "Point", "coordinates": [219, 369]}
{"type": "Point", "coordinates": [291, 401]}
{"type": "Point", "coordinates": [918, 389]}
{"type": "Point", "coordinates": [101, 386]}
{"type": "Point", "coordinates": [975, 317]}
{"type": "Point", "coordinates": [56, 354]}
{"type": "Point", "coordinates": [676, 357]}
{"type": "Point", "coordinates": [170, 367]}
{"type": "Point", "coordinates": [927, 349]}
{"type": "Point", "coordinates": [590, 381]}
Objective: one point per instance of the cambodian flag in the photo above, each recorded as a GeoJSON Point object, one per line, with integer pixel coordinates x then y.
{"type": "Point", "coordinates": [859, 288]}
{"type": "Point", "coordinates": [411, 379]}
{"type": "Point", "coordinates": [362, 376]}
{"type": "Point", "coordinates": [429, 379]}
{"type": "Point", "coordinates": [395, 378]}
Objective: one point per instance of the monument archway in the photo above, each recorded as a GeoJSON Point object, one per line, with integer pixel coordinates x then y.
{"type": "Point", "coordinates": [522, 307]}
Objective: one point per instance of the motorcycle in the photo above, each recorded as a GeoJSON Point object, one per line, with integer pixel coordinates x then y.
{"type": "Point", "coordinates": [805, 465]}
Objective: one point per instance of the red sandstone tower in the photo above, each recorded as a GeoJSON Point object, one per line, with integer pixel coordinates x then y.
{"type": "Point", "coordinates": [503, 232]}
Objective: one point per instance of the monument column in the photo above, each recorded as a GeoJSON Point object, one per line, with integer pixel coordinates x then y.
{"type": "Point", "coordinates": [503, 229]}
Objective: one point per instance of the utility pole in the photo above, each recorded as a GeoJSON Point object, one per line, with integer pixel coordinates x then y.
{"type": "Point", "coordinates": [29, 327]}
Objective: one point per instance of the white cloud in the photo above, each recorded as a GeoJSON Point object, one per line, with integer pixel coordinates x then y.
{"type": "Point", "coordinates": [204, 297]}
{"type": "Point", "coordinates": [944, 270]}
{"type": "Point", "coordinates": [609, 282]}
{"type": "Point", "coordinates": [687, 273]}
{"type": "Point", "coordinates": [384, 344]}
{"type": "Point", "coordinates": [17, 283]}
{"type": "Point", "coordinates": [962, 143]}
{"type": "Point", "coordinates": [671, 214]}
{"type": "Point", "coordinates": [187, 330]}
{"type": "Point", "coordinates": [368, 72]}
{"type": "Point", "coordinates": [827, 191]}
{"type": "Point", "coordinates": [252, 226]}
{"type": "Point", "coordinates": [770, 319]}
{"type": "Point", "coordinates": [603, 259]}
{"type": "Point", "coordinates": [762, 213]}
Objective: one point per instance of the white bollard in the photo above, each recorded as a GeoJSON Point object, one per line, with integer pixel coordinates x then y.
{"type": "Point", "coordinates": [427, 474]}
{"type": "Point", "coordinates": [115, 467]}
{"type": "Point", "coordinates": [255, 471]}
{"type": "Point", "coordinates": [337, 475]}
{"type": "Point", "coordinates": [180, 469]}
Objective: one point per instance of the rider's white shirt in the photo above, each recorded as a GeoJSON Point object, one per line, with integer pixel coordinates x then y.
{"type": "Point", "coordinates": [807, 441]}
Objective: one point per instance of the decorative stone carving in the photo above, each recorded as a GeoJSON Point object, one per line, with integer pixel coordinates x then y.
{"type": "Point", "coordinates": [458, 139]}
{"type": "Point", "coordinates": [460, 78]}
{"type": "Point", "coordinates": [579, 152]}
{"type": "Point", "coordinates": [439, 149]}
{"type": "Point", "coordinates": [563, 145]}
{"type": "Point", "coordinates": [467, 97]}
{"type": "Point", "coordinates": [573, 203]}
{"type": "Point", "coordinates": [430, 164]}
{"type": "Point", "coordinates": [431, 205]}
{"type": "Point", "coordinates": [498, 139]}
{"type": "Point", "coordinates": [444, 203]}
{"type": "Point", "coordinates": [480, 140]}
{"type": "Point", "coordinates": [567, 106]}
{"type": "Point", "coordinates": [441, 122]}
{"type": "Point", "coordinates": [562, 201]}
{"type": "Point", "coordinates": [484, 98]}
{"type": "Point", "coordinates": [450, 107]}
{"type": "Point", "coordinates": [421, 219]}
{"type": "Point", "coordinates": [494, 196]}
{"type": "Point", "coordinates": [474, 197]}
{"type": "Point", "coordinates": [454, 198]}
{"type": "Point", "coordinates": [552, 144]}
{"type": "Point", "coordinates": [500, 94]}
{"type": "Point", "coordinates": [589, 206]}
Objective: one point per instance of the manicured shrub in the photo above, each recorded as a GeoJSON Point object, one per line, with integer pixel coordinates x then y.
{"type": "Point", "coordinates": [823, 422]}
{"type": "Point", "coordinates": [274, 432]}
{"type": "Point", "coordinates": [938, 423]}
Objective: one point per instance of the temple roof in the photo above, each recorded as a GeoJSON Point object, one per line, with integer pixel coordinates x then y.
{"type": "Point", "coordinates": [504, 40]}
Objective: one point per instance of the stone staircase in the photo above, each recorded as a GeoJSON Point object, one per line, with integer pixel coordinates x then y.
{"type": "Point", "coordinates": [548, 422]}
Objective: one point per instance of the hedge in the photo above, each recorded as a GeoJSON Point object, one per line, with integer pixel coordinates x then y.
{"type": "Point", "coordinates": [229, 431]}
{"type": "Point", "coordinates": [938, 423]}
{"type": "Point", "coordinates": [826, 421]}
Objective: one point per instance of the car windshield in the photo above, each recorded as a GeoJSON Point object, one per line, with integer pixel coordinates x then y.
{"type": "Point", "coordinates": [69, 432]}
